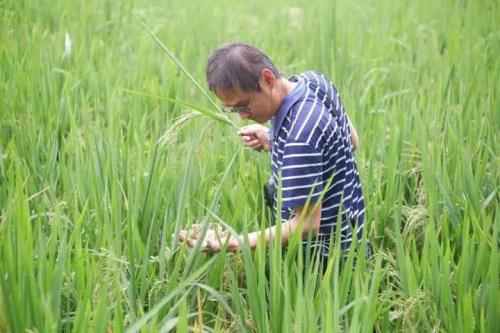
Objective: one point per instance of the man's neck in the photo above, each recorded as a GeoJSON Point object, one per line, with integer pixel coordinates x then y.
{"type": "Point", "coordinates": [284, 88]}
{"type": "Point", "coordinates": [288, 86]}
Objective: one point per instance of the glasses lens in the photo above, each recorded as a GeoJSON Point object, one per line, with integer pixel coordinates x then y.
{"type": "Point", "coordinates": [241, 108]}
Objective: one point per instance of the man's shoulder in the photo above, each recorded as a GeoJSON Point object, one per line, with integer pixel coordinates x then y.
{"type": "Point", "coordinates": [311, 75]}
{"type": "Point", "coordinates": [315, 78]}
{"type": "Point", "coordinates": [307, 125]}
{"type": "Point", "coordinates": [311, 115]}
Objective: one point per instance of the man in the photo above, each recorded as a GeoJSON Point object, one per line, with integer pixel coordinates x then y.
{"type": "Point", "coordinates": [311, 141]}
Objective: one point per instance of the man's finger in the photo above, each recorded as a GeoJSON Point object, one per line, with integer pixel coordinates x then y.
{"type": "Point", "coordinates": [249, 137]}
{"type": "Point", "coordinates": [253, 143]}
{"type": "Point", "coordinates": [191, 241]}
{"type": "Point", "coordinates": [247, 132]}
{"type": "Point", "coordinates": [213, 245]}
{"type": "Point", "coordinates": [244, 133]}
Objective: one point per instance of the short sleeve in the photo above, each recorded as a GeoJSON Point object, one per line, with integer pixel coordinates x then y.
{"type": "Point", "coordinates": [301, 174]}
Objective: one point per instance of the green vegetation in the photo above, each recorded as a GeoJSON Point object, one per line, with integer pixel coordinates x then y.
{"type": "Point", "coordinates": [96, 180]}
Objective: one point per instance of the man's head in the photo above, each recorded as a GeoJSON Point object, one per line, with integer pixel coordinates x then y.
{"type": "Point", "coordinates": [245, 79]}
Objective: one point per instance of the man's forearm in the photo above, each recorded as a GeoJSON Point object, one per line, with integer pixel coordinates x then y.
{"type": "Point", "coordinates": [288, 228]}
{"type": "Point", "coordinates": [354, 134]}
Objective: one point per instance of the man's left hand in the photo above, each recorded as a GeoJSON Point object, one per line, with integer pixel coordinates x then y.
{"type": "Point", "coordinates": [212, 241]}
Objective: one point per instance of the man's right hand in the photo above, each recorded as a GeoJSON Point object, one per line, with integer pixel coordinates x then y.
{"type": "Point", "coordinates": [255, 136]}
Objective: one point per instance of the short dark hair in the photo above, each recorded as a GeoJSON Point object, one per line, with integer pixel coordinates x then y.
{"type": "Point", "coordinates": [237, 65]}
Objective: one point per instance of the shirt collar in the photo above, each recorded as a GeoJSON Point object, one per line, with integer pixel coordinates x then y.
{"type": "Point", "coordinates": [285, 107]}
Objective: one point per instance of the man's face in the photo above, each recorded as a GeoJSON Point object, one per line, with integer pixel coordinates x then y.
{"type": "Point", "coordinates": [255, 105]}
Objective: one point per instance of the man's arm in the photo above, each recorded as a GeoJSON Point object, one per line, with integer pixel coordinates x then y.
{"type": "Point", "coordinates": [354, 137]}
{"type": "Point", "coordinates": [354, 134]}
{"type": "Point", "coordinates": [310, 223]}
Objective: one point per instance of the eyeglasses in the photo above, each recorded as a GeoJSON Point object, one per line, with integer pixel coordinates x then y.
{"type": "Point", "coordinates": [243, 106]}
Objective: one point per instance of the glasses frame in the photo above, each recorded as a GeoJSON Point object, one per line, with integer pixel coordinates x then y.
{"type": "Point", "coordinates": [243, 108]}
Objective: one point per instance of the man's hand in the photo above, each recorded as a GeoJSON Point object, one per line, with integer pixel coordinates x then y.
{"type": "Point", "coordinates": [213, 242]}
{"type": "Point", "coordinates": [255, 137]}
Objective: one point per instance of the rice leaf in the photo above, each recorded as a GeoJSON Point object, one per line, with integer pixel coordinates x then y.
{"type": "Point", "coordinates": [205, 111]}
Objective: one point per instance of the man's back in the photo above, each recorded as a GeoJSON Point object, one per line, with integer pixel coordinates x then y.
{"type": "Point", "coordinates": [311, 142]}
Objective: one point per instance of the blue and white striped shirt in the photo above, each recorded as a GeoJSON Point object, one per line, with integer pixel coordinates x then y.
{"type": "Point", "coordinates": [310, 143]}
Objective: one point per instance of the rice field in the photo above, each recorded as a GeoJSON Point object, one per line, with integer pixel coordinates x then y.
{"type": "Point", "coordinates": [103, 161]}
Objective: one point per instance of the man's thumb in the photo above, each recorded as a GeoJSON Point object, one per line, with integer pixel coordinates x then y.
{"type": "Point", "coordinates": [243, 131]}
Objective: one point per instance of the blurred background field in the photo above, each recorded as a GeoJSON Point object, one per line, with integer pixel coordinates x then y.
{"type": "Point", "coordinates": [89, 201]}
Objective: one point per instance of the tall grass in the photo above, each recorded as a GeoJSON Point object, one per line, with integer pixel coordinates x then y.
{"type": "Point", "coordinates": [90, 199]}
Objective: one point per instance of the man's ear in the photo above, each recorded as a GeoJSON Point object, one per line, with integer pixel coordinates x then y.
{"type": "Point", "coordinates": [267, 78]}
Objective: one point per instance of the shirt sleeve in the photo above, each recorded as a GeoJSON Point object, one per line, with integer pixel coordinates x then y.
{"type": "Point", "coordinates": [301, 174]}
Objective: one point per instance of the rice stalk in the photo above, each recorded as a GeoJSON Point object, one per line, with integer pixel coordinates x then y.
{"type": "Point", "coordinates": [190, 106]}
{"type": "Point", "coordinates": [183, 68]}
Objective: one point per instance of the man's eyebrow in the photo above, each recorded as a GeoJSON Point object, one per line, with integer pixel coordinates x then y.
{"type": "Point", "coordinates": [238, 105]}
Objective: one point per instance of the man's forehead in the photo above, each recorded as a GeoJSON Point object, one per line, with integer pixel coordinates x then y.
{"type": "Point", "coordinates": [232, 96]}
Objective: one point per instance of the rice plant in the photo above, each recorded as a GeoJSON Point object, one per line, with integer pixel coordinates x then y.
{"type": "Point", "coordinates": [108, 148]}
